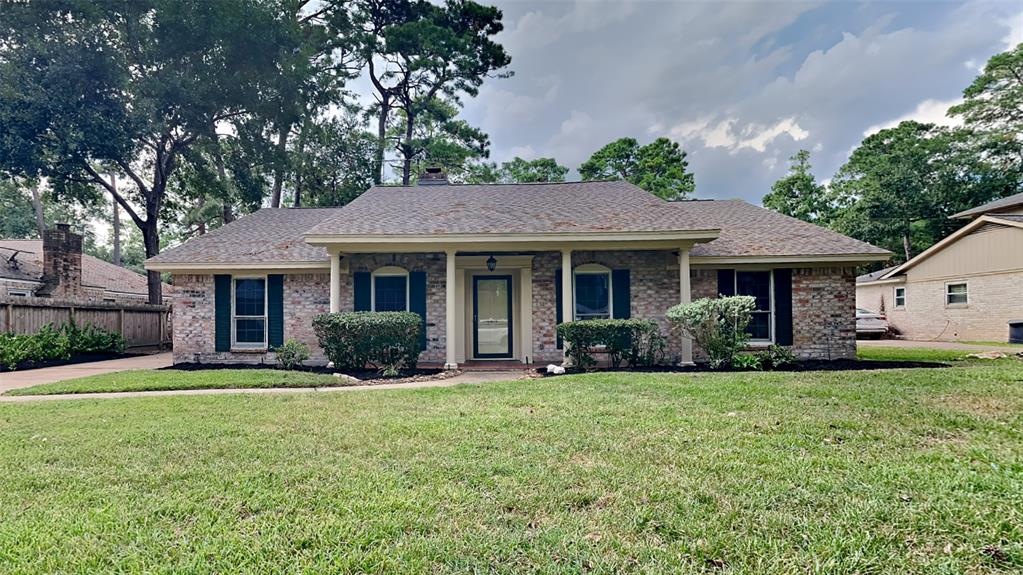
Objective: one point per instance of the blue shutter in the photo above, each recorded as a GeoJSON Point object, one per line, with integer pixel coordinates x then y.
{"type": "Point", "coordinates": [783, 306]}
{"type": "Point", "coordinates": [558, 304]}
{"type": "Point", "coordinates": [726, 282]}
{"type": "Point", "coordinates": [417, 302]}
{"type": "Point", "coordinates": [362, 284]}
{"type": "Point", "coordinates": [621, 290]}
{"type": "Point", "coordinates": [275, 310]}
{"type": "Point", "coordinates": [222, 312]}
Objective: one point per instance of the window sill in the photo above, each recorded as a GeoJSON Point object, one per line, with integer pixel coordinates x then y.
{"type": "Point", "coordinates": [957, 306]}
{"type": "Point", "coordinates": [253, 350]}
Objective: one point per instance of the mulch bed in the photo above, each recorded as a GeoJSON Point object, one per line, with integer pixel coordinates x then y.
{"type": "Point", "coordinates": [365, 376]}
{"type": "Point", "coordinates": [809, 365]}
{"type": "Point", "coordinates": [85, 358]}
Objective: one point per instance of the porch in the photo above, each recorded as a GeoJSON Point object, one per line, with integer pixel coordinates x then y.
{"type": "Point", "coordinates": [501, 307]}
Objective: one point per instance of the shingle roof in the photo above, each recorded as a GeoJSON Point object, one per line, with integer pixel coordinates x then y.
{"type": "Point", "coordinates": [276, 235]}
{"type": "Point", "coordinates": [872, 276]}
{"type": "Point", "coordinates": [267, 235]}
{"type": "Point", "coordinates": [95, 272]}
{"type": "Point", "coordinates": [612, 206]}
{"type": "Point", "coordinates": [1004, 203]}
{"type": "Point", "coordinates": [748, 230]}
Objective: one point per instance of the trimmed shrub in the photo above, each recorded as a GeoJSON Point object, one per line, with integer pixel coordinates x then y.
{"type": "Point", "coordinates": [636, 341]}
{"type": "Point", "coordinates": [291, 354]}
{"type": "Point", "coordinates": [51, 343]}
{"type": "Point", "coordinates": [777, 356]}
{"type": "Point", "coordinates": [388, 340]}
{"type": "Point", "coordinates": [717, 325]}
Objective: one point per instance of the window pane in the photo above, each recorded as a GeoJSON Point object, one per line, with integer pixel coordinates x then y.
{"type": "Point", "coordinates": [956, 293]}
{"type": "Point", "coordinates": [756, 284]}
{"type": "Point", "coordinates": [900, 297]}
{"type": "Point", "coordinates": [592, 293]}
{"type": "Point", "coordinates": [248, 297]}
{"type": "Point", "coordinates": [390, 293]}
{"type": "Point", "coordinates": [760, 326]}
{"type": "Point", "coordinates": [248, 330]}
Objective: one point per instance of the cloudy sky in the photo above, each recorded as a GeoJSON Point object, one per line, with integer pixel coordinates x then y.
{"type": "Point", "coordinates": [742, 86]}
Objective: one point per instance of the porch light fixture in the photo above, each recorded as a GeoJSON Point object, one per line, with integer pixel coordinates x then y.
{"type": "Point", "coordinates": [491, 263]}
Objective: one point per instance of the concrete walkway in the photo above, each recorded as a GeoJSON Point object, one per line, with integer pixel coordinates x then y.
{"type": "Point", "coordinates": [470, 377]}
{"type": "Point", "coordinates": [953, 345]}
{"type": "Point", "coordinates": [30, 377]}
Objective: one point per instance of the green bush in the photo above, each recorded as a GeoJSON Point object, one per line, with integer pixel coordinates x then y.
{"type": "Point", "coordinates": [387, 340]}
{"type": "Point", "coordinates": [636, 341]}
{"type": "Point", "coordinates": [777, 356]}
{"type": "Point", "coordinates": [51, 343]}
{"type": "Point", "coordinates": [291, 354]}
{"type": "Point", "coordinates": [717, 325]}
{"type": "Point", "coordinates": [748, 362]}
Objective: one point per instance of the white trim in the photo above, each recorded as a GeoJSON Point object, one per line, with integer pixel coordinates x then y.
{"type": "Point", "coordinates": [392, 272]}
{"type": "Point", "coordinates": [248, 346]}
{"type": "Point", "coordinates": [593, 270]}
{"type": "Point", "coordinates": [898, 280]}
{"type": "Point", "coordinates": [966, 303]}
{"type": "Point", "coordinates": [18, 293]}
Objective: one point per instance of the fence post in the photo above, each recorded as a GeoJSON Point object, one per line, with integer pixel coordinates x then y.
{"type": "Point", "coordinates": [120, 322]}
{"type": "Point", "coordinates": [163, 327]}
{"type": "Point", "coordinates": [10, 318]}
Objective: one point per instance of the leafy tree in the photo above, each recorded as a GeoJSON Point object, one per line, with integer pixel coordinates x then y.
{"type": "Point", "coordinates": [798, 194]}
{"type": "Point", "coordinates": [517, 171]}
{"type": "Point", "coordinates": [416, 52]}
{"type": "Point", "coordinates": [659, 167]}
{"type": "Point", "coordinates": [132, 85]}
{"type": "Point", "coordinates": [442, 140]}
{"type": "Point", "coordinates": [17, 218]}
{"type": "Point", "coordinates": [334, 164]}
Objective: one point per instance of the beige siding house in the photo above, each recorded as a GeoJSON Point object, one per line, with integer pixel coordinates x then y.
{"type": "Point", "coordinates": [493, 269]}
{"type": "Point", "coordinates": [968, 286]}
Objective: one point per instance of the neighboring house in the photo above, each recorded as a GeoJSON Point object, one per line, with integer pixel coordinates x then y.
{"type": "Point", "coordinates": [55, 267]}
{"type": "Point", "coordinates": [494, 268]}
{"type": "Point", "coordinates": [968, 286]}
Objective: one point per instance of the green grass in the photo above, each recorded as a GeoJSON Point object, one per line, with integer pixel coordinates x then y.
{"type": "Point", "coordinates": [910, 354]}
{"type": "Point", "coordinates": [901, 471]}
{"type": "Point", "coordinates": [161, 379]}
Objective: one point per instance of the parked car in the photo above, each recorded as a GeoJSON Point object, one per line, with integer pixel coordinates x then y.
{"type": "Point", "coordinates": [870, 324]}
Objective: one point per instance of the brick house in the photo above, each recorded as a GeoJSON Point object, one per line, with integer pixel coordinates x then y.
{"type": "Point", "coordinates": [967, 287]}
{"type": "Point", "coordinates": [494, 268]}
{"type": "Point", "coordinates": [55, 267]}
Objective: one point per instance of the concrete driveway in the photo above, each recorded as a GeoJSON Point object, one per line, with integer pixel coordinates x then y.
{"type": "Point", "coordinates": [30, 377]}
{"type": "Point", "coordinates": [954, 345]}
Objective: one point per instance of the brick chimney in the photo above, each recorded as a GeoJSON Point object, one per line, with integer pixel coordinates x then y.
{"type": "Point", "coordinates": [62, 263]}
{"type": "Point", "coordinates": [433, 177]}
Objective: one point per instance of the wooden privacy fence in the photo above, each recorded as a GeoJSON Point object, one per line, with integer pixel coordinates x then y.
{"type": "Point", "coordinates": [142, 325]}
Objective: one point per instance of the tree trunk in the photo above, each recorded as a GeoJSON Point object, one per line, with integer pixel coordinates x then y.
{"type": "Point", "coordinates": [116, 224]}
{"type": "Point", "coordinates": [37, 207]}
{"type": "Point", "coordinates": [406, 151]}
{"type": "Point", "coordinates": [378, 160]}
{"type": "Point", "coordinates": [227, 216]}
{"type": "Point", "coordinates": [906, 246]}
{"type": "Point", "coordinates": [301, 167]}
{"type": "Point", "coordinates": [151, 239]}
{"type": "Point", "coordinates": [282, 146]}
{"type": "Point", "coordinates": [201, 224]}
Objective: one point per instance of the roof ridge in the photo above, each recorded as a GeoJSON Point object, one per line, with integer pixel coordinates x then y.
{"type": "Point", "coordinates": [495, 184]}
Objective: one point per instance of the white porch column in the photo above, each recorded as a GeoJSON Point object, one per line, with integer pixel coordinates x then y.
{"type": "Point", "coordinates": [686, 296]}
{"type": "Point", "coordinates": [335, 282]}
{"type": "Point", "coordinates": [567, 292]}
{"type": "Point", "coordinates": [451, 318]}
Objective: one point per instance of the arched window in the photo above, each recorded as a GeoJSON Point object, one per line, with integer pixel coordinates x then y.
{"type": "Point", "coordinates": [390, 289]}
{"type": "Point", "coordinates": [592, 285]}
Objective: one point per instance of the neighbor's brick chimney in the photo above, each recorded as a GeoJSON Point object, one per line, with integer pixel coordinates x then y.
{"type": "Point", "coordinates": [433, 177]}
{"type": "Point", "coordinates": [62, 263]}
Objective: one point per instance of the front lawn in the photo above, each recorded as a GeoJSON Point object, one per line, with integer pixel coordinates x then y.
{"type": "Point", "coordinates": [880, 353]}
{"type": "Point", "coordinates": [900, 471]}
{"type": "Point", "coordinates": [162, 379]}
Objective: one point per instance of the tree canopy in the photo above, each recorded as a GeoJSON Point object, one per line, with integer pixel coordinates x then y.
{"type": "Point", "coordinates": [798, 194]}
{"type": "Point", "coordinates": [659, 167]}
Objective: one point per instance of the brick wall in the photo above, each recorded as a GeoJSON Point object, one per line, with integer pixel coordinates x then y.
{"type": "Point", "coordinates": [824, 313]}
{"type": "Point", "coordinates": [994, 300]}
{"type": "Point", "coordinates": [305, 296]}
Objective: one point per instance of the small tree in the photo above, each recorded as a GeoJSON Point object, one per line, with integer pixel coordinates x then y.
{"type": "Point", "coordinates": [718, 325]}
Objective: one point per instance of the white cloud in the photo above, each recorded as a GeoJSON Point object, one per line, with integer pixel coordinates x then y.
{"type": "Point", "coordinates": [724, 134]}
{"type": "Point", "coordinates": [1015, 35]}
{"type": "Point", "coordinates": [524, 152]}
{"type": "Point", "coordinates": [927, 112]}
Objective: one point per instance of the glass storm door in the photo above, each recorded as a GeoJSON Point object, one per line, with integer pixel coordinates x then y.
{"type": "Point", "coordinates": [492, 316]}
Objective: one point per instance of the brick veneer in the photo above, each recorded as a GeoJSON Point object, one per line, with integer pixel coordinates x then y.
{"type": "Point", "coordinates": [823, 302]}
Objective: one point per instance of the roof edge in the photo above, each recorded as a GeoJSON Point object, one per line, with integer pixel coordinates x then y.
{"type": "Point", "coordinates": [948, 240]}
